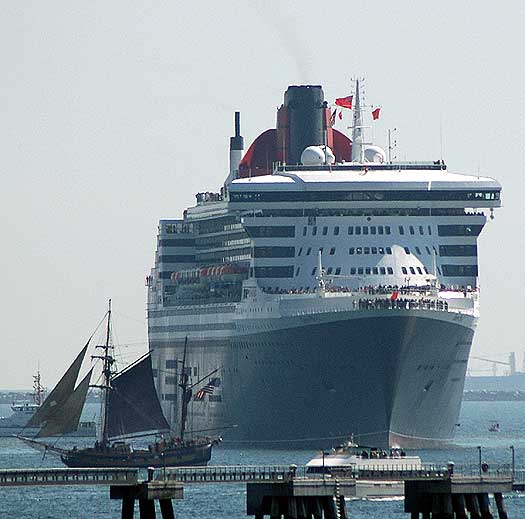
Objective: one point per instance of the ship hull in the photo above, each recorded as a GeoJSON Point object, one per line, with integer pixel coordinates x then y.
{"type": "Point", "coordinates": [182, 456]}
{"type": "Point", "coordinates": [389, 377]}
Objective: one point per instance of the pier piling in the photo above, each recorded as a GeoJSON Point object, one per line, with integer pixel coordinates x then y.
{"type": "Point", "coordinates": [456, 497]}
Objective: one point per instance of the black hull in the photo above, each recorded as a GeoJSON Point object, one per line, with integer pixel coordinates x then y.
{"type": "Point", "coordinates": [182, 456]}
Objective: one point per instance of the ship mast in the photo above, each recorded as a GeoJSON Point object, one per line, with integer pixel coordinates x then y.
{"type": "Point", "coordinates": [186, 392]}
{"type": "Point", "coordinates": [358, 148]}
{"type": "Point", "coordinates": [107, 360]}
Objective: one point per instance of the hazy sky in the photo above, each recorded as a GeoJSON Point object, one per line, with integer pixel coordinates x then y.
{"type": "Point", "coordinates": [114, 114]}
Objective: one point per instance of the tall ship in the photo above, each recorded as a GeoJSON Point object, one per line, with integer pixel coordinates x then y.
{"type": "Point", "coordinates": [334, 289]}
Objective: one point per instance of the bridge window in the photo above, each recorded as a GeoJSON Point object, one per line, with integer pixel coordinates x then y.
{"type": "Point", "coordinates": [358, 250]}
{"type": "Point", "coordinates": [300, 251]}
{"type": "Point", "coordinates": [387, 229]}
{"type": "Point", "coordinates": [373, 229]}
{"type": "Point", "coordinates": [271, 231]}
{"type": "Point", "coordinates": [419, 270]}
{"type": "Point", "coordinates": [380, 229]}
{"type": "Point", "coordinates": [352, 271]}
{"type": "Point", "coordinates": [411, 229]}
{"type": "Point", "coordinates": [304, 231]}
{"type": "Point", "coordinates": [350, 230]}
{"type": "Point", "coordinates": [314, 230]}
{"type": "Point", "coordinates": [374, 250]}
{"type": "Point", "coordinates": [367, 270]}
{"type": "Point", "coordinates": [336, 230]}
{"type": "Point", "coordinates": [421, 230]}
{"type": "Point", "coordinates": [314, 270]}
{"type": "Point", "coordinates": [382, 271]}
{"type": "Point", "coordinates": [367, 250]}
{"type": "Point", "coordinates": [375, 270]}
{"type": "Point", "coordinates": [365, 230]}
{"type": "Point", "coordinates": [401, 230]}
{"type": "Point", "coordinates": [338, 271]}
{"type": "Point", "coordinates": [308, 251]}
{"type": "Point", "coordinates": [351, 250]}
{"type": "Point", "coordinates": [390, 270]}
{"type": "Point", "coordinates": [418, 250]}
{"type": "Point", "coordinates": [274, 252]}
{"type": "Point", "coordinates": [358, 229]}
{"type": "Point", "coordinates": [460, 270]}
{"type": "Point", "coordinates": [360, 270]}
{"type": "Point", "coordinates": [325, 230]}
{"type": "Point", "coordinates": [407, 250]}
{"type": "Point", "coordinates": [388, 250]}
{"type": "Point", "coordinates": [458, 250]}
{"type": "Point", "coordinates": [329, 271]}
{"type": "Point", "coordinates": [404, 270]}
{"type": "Point", "coordinates": [332, 251]}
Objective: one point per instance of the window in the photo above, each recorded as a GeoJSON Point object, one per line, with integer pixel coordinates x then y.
{"type": "Point", "coordinates": [338, 271]}
{"type": "Point", "coordinates": [271, 231]}
{"type": "Point", "coordinates": [404, 270]}
{"type": "Point", "coordinates": [412, 271]}
{"type": "Point", "coordinates": [459, 230]}
{"type": "Point", "coordinates": [382, 271]}
{"type": "Point", "coordinates": [297, 271]}
{"type": "Point", "coordinates": [360, 270]}
{"type": "Point", "coordinates": [329, 271]}
{"type": "Point", "coordinates": [439, 270]}
{"type": "Point", "coordinates": [380, 229]}
{"type": "Point", "coordinates": [325, 230]}
{"type": "Point", "coordinates": [421, 230]}
{"type": "Point", "coordinates": [458, 250]}
{"type": "Point", "coordinates": [418, 250]}
{"type": "Point", "coordinates": [321, 249]}
{"type": "Point", "coordinates": [308, 251]}
{"type": "Point", "coordinates": [381, 250]}
{"type": "Point", "coordinates": [387, 229]}
{"type": "Point", "coordinates": [373, 229]}
{"type": "Point", "coordinates": [300, 251]}
{"type": "Point", "coordinates": [428, 250]}
{"type": "Point", "coordinates": [419, 271]}
{"type": "Point", "coordinates": [314, 270]}
{"type": "Point", "coordinates": [426, 270]}
{"type": "Point", "coordinates": [274, 252]}
{"type": "Point", "coordinates": [401, 230]}
{"type": "Point", "coordinates": [367, 250]}
{"type": "Point", "coordinates": [390, 270]}
{"type": "Point", "coordinates": [388, 250]}
{"type": "Point", "coordinates": [351, 230]}
{"type": "Point", "coordinates": [429, 230]}
{"type": "Point", "coordinates": [358, 250]}
{"type": "Point", "coordinates": [367, 270]}
{"type": "Point", "coordinates": [314, 230]}
{"type": "Point", "coordinates": [365, 230]}
{"type": "Point", "coordinates": [374, 250]}
{"type": "Point", "coordinates": [375, 270]}
{"type": "Point", "coordinates": [358, 229]}
{"type": "Point", "coordinates": [411, 228]}
{"type": "Point", "coordinates": [352, 271]}
{"type": "Point", "coordinates": [460, 270]}
{"type": "Point", "coordinates": [351, 251]}
{"type": "Point", "coordinates": [336, 230]}
{"type": "Point", "coordinates": [273, 272]}
{"type": "Point", "coordinates": [304, 231]}
{"type": "Point", "coordinates": [407, 250]}
{"type": "Point", "coordinates": [435, 251]}
{"type": "Point", "coordinates": [332, 251]}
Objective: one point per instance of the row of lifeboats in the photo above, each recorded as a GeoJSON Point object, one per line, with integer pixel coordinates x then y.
{"type": "Point", "coordinates": [227, 272]}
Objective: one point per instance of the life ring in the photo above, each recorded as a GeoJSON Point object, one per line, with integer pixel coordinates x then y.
{"type": "Point", "coordinates": [484, 467]}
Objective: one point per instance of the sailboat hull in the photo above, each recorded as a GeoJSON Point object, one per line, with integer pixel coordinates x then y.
{"type": "Point", "coordinates": [180, 456]}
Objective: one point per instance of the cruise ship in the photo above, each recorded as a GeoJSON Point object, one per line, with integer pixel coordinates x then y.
{"type": "Point", "coordinates": [334, 291]}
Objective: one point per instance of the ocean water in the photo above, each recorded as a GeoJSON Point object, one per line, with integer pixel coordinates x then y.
{"type": "Point", "coordinates": [229, 500]}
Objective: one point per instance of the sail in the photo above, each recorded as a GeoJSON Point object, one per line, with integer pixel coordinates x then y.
{"type": "Point", "coordinates": [66, 419]}
{"type": "Point", "coordinates": [133, 405]}
{"type": "Point", "coordinates": [60, 394]}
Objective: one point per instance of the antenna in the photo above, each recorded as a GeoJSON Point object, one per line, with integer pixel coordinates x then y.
{"type": "Point", "coordinates": [392, 144]}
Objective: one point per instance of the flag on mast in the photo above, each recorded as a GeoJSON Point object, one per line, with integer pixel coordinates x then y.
{"type": "Point", "coordinates": [375, 113]}
{"type": "Point", "coordinates": [344, 102]}
{"type": "Point", "coordinates": [332, 117]}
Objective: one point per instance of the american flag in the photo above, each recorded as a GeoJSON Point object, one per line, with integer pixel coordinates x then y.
{"type": "Point", "coordinates": [208, 388]}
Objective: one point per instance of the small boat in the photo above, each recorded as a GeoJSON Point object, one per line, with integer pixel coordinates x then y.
{"type": "Point", "coordinates": [130, 408]}
{"type": "Point", "coordinates": [379, 473]}
{"type": "Point", "coordinates": [494, 427]}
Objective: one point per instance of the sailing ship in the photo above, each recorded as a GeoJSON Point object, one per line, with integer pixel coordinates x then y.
{"type": "Point", "coordinates": [130, 408]}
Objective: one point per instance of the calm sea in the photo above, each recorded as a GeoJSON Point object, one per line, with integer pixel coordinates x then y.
{"type": "Point", "coordinates": [229, 501]}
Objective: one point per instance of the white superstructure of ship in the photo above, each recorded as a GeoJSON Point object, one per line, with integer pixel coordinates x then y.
{"type": "Point", "coordinates": [335, 290]}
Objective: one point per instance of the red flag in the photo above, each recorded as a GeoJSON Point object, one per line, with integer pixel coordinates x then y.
{"type": "Point", "coordinates": [341, 115]}
{"type": "Point", "coordinates": [394, 296]}
{"type": "Point", "coordinates": [344, 102]}
{"type": "Point", "coordinates": [375, 113]}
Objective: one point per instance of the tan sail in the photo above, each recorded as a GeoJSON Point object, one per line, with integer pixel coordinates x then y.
{"type": "Point", "coordinates": [67, 417]}
{"type": "Point", "coordinates": [60, 394]}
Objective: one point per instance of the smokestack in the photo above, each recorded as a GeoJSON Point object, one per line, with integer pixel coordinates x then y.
{"type": "Point", "coordinates": [236, 149]}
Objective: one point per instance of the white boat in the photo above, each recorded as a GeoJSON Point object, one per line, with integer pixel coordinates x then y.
{"type": "Point", "coordinates": [378, 473]}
